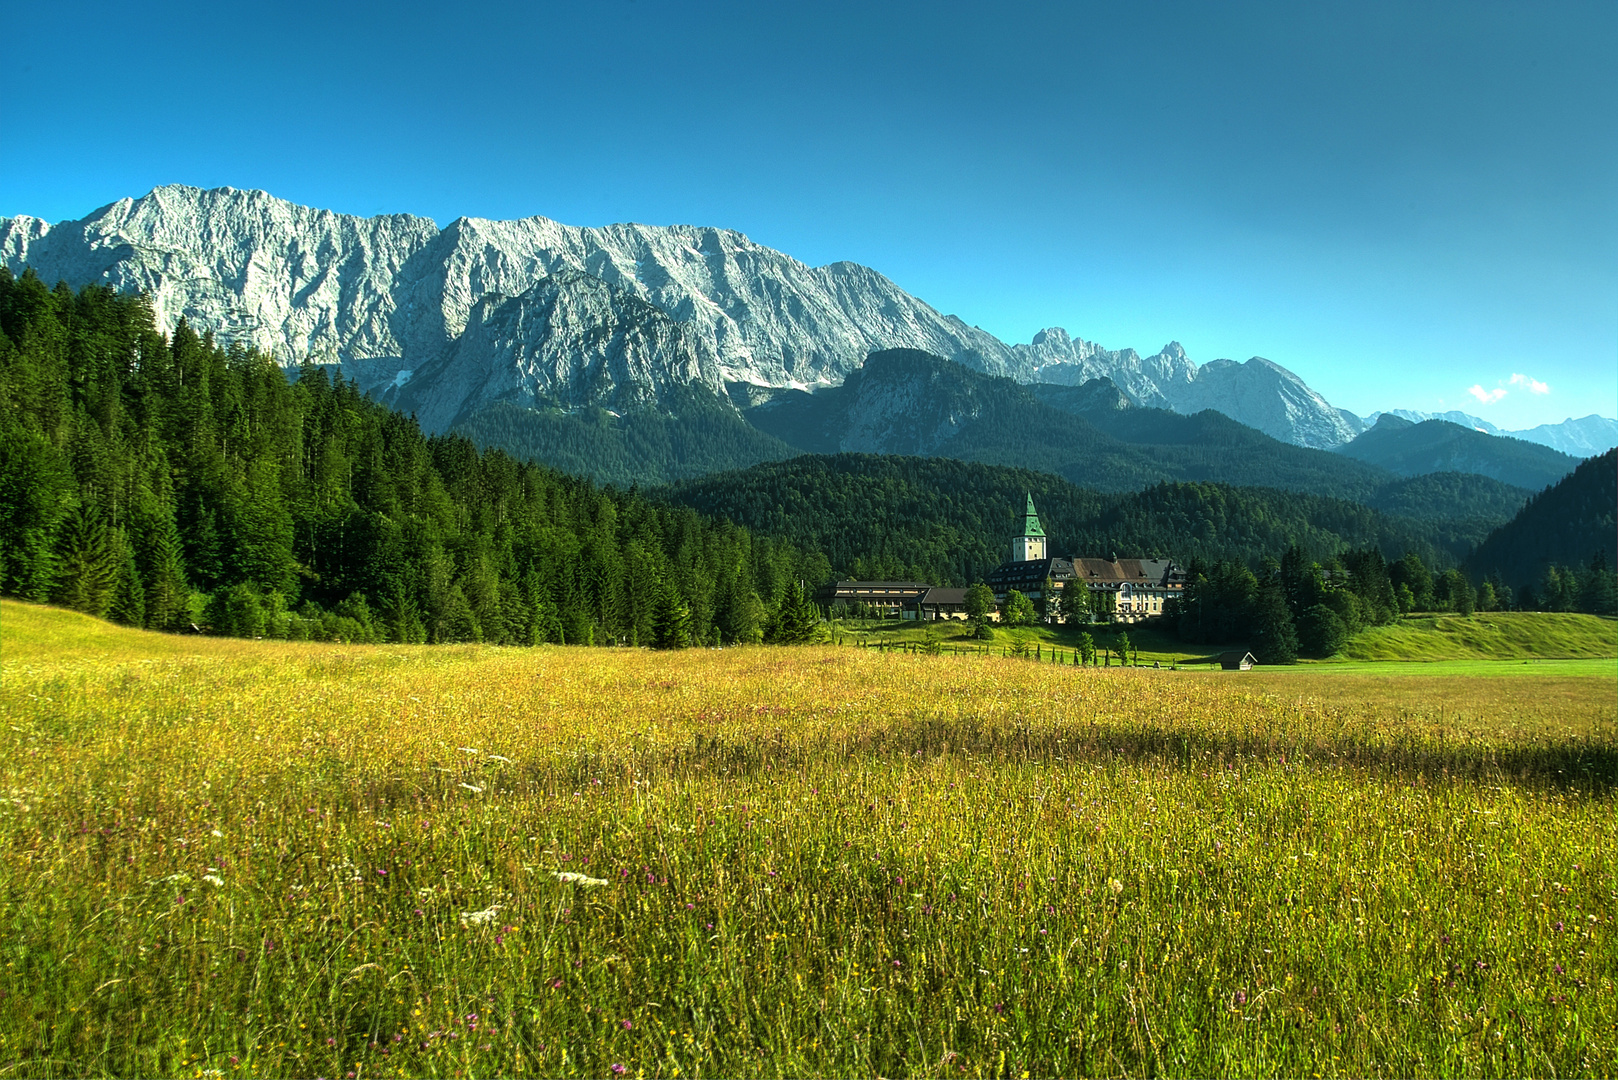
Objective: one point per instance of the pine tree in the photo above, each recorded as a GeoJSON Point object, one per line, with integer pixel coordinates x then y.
{"type": "Point", "coordinates": [798, 621]}
{"type": "Point", "coordinates": [1277, 637]}
{"type": "Point", "coordinates": [90, 564]}
{"type": "Point", "coordinates": [673, 622]}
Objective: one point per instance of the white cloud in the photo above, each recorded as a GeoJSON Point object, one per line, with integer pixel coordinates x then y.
{"type": "Point", "coordinates": [1487, 397]}
{"type": "Point", "coordinates": [1533, 386]}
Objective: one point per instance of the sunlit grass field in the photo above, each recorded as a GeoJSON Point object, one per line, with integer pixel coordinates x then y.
{"type": "Point", "coordinates": [260, 859]}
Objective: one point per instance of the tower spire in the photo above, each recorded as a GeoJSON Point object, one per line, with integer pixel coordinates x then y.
{"type": "Point", "coordinates": [1031, 544]}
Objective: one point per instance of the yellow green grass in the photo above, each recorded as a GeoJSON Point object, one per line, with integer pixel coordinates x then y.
{"type": "Point", "coordinates": [240, 858]}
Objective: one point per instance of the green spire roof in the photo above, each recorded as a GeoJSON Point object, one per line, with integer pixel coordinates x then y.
{"type": "Point", "coordinates": [1031, 525]}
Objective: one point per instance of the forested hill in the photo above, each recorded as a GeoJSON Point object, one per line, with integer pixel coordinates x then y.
{"type": "Point", "coordinates": [1571, 524]}
{"type": "Point", "coordinates": [942, 520]}
{"type": "Point", "coordinates": [1409, 449]}
{"type": "Point", "coordinates": [162, 482]}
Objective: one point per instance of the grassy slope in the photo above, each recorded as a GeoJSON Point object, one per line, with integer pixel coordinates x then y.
{"type": "Point", "coordinates": [1516, 635]}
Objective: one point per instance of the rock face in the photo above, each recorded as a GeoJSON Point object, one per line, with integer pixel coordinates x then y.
{"type": "Point", "coordinates": [388, 295]}
{"type": "Point", "coordinates": [1266, 396]}
{"type": "Point", "coordinates": [571, 341]}
{"type": "Point", "coordinates": [1153, 381]}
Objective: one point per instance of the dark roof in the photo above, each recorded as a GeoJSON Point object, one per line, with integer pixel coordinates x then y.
{"type": "Point", "coordinates": [950, 597]}
{"type": "Point", "coordinates": [1011, 575]}
{"type": "Point", "coordinates": [1135, 571]}
{"type": "Point", "coordinates": [872, 590]}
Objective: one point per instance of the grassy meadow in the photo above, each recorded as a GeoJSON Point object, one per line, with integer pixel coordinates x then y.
{"type": "Point", "coordinates": [231, 858]}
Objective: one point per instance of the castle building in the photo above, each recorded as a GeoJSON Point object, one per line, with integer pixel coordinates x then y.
{"type": "Point", "coordinates": [1126, 590]}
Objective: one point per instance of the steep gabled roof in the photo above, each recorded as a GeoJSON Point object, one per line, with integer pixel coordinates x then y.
{"type": "Point", "coordinates": [1030, 522]}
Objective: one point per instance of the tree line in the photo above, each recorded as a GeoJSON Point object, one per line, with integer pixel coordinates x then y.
{"type": "Point", "coordinates": [168, 482]}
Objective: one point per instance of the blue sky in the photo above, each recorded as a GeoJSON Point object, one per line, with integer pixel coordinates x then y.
{"type": "Point", "coordinates": [1409, 205]}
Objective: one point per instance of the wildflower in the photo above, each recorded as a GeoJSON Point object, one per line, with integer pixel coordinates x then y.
{"type": "Point", "coordinates": [618, 1070]}
{"type": "Point", "coordinates": [480, 918]}
{"type": "Point", "coordinates": [570, 878]}
{"type": "Point", "coordinates": [1115, 885]}
{"type": "Point", "coordinates": [626, 1024]}
{"type": "Point", "coordinates": [474, 788]}
{"type": "Point", "coordinates": [213, 879]}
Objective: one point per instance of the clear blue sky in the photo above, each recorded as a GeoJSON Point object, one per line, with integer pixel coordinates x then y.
{"type": "Point", "coordinates": [1401, 202]}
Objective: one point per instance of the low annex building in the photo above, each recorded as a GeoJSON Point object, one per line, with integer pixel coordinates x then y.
{"type": "Point", "coordinates": [901, 599]}
{"type": "Point", "coordinates": [891, 598]}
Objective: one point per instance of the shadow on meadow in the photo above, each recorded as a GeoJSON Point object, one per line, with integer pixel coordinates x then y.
{"type": "Point", "coordinates": [1571, 764]}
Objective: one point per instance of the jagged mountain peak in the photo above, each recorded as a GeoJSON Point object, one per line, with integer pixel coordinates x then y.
{"type": "Point", "coordinates": [395, 293]}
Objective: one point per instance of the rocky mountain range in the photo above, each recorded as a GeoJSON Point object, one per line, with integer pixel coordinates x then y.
{"type": "Point", "coordinates": [447, 321]}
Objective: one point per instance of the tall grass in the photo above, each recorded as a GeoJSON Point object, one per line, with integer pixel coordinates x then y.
{"type": "Point", "coordinates": [255, 859]}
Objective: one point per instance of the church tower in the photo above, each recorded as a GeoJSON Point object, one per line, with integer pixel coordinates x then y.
{"type": "Point", "coordinates": [1031, 544]}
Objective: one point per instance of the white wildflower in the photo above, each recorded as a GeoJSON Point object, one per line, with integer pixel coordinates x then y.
{"type": "Point", "coordinates": [213, 879]}
{"type": "Point", "coordinates": [502, 760]}
{"type": "Point", "coordinates": [474, 788]}
{"type": "Point", "coordinates": [480, 918]}
{"type": "Point", "coordinates": [567, 877]}
{"type": "Point", "coordinates": [470, 750]}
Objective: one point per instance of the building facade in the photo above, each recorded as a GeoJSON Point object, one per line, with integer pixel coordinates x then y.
{"type": "Point", "coordinates": [1122, 590]}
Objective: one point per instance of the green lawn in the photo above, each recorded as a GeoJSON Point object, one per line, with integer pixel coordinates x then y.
{"type": "Point", "coordinates": [1493, 635]}
{"type": "Point", "coordinates": [1485, 640]}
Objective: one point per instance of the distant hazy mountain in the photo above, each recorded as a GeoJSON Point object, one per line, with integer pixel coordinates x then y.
{"type": "Point", "coordinates": [906, 402]}
{"type": "Point", "coordinates": [394, 294]}
{"type": "Point", "coordinates": [1581, 438]}
{"type": "Point", "coordinates": [1434, 446]}
{"type": "Point", "coordinates": [1587, 437]}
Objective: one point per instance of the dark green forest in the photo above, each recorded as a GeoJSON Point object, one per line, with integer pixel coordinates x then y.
{"type": "Point", "coordinates": [1570, 526]}
{"type": "Point", "coordinates": [168, 482]}
{"type": "Point", "coordinates": [947, 521]}
{"type": "Point", "coordinates": [696, 436]}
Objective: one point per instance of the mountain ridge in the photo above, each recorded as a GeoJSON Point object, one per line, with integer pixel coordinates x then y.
{"type": "Point", "coordinates": [395, 292]}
